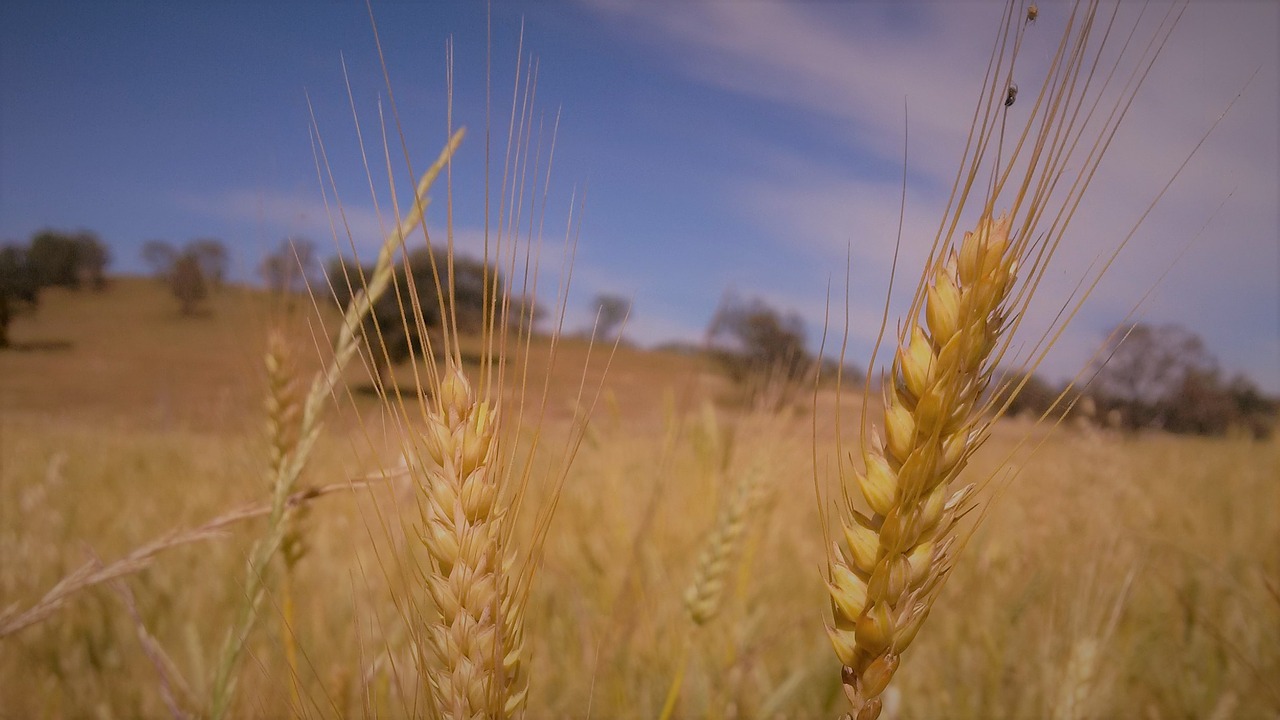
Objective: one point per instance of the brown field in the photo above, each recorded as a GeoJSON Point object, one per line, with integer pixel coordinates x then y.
{"type": "Point", "coordinates": [1111, 576]}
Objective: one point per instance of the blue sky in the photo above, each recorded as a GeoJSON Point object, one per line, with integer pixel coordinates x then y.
{"type": "Point", "coordinates": [723, 145]}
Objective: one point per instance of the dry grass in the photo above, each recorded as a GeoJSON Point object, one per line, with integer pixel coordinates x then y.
{"type": "Point", "coordinates": [1195, 627]}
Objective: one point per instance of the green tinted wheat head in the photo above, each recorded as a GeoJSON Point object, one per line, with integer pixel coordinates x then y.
{"type": "Point", "coordinates": [903, 501]}
{"type": "Point", "coordinates": [287, 466]}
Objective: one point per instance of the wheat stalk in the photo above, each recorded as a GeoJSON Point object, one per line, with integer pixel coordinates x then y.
{"type": "Point", "coordinates": [290, 467]}
{"type": "Point", "coordinates": [884, 578]}
{"type": "Point", "coordinates": [885, 575]}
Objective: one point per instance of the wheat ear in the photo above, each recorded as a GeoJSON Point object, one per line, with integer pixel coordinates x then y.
{"type": "Point", "coordinates": [284, 414]}
{"type": "Point", "coordinates": [476, 643]}
{"type": "Point", "coordinates": [704, 595]}
{"type": "Point", "coordinates": [884, 576]}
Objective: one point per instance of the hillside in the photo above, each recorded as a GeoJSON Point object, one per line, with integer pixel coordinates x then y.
{"type": "Point", "coordinates": [126, 355]}
{"type": "Point", "coordinates": [1124, 567]}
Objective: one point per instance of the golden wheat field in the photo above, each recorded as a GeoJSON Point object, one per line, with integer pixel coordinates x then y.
{"type": "Point", "coordinates": [257, 512]}
{"type": "Point", "coordinates": [1117, 576]}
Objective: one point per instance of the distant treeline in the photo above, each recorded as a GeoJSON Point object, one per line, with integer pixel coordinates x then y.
{"type": "Point", "coordinates": [1147, 377]}
{"type": "Point", "coordinates": [1159, 377]}
{"type": "Point", "coordinates": [51, 258]}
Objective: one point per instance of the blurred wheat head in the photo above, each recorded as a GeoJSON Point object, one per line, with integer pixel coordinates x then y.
{"type": "Point", "coordinates": [901, 500]}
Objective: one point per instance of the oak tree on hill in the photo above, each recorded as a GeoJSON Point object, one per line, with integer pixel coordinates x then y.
{"type": "Point", "coordinates": [188, 283]}
{"type": "Point", "coordinates": [190, 271]}
{"type": "Point", "coordinates": [213, 257]}
{"type": "Point", "coordinates": [611, 311]}
{"type": "Point", "coordinates": [390, 324]}
{"type": "Point", "coordinates": [755, 342]}
{"type": "Point", "coordinates": [1164, 376]}
{"type": "Point", "coordinates": [19, 288]}
{"type": "Point", "coordinates": [291, 267]}
{"type": "Point", "coordinates": [159, 256]}
{"type": "Point", "coordinates": [68, 259]}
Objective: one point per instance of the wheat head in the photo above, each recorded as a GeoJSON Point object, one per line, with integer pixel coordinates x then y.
{"type": "Point", "coordinates": [884, 577]}
{"type": "Point", "coordinates": [886, 571]}
{"type": "Point", "coordinates": [705, 593]}
{"type": "Point", "coordinates": [476, 642]}
{"type": "Point", "coordinates": [284, 424]}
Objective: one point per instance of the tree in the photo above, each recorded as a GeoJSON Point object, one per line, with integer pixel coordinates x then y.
{"type": "Point", "coordinates": [1144, 363]}
{"type": "Point", "coordinates": [1163, 376]}
{"type": "Point", "coordinates": [1035, 396]}
{"type": "Point", "coordinates": [291, 267]}
{"type": "Point", "coordinates": [19, 286]}
{"type": "Point", "coordinates": [1256, 411]}
{"type": "Point", "coordinates": [160, 257]}
{"type": "Point", "coordinates": [68, 259]}
{"type": "Point", "coordinates": [187, 282]}
{"type": "Point", "coordinates": [213, 258]}
{"type": "Point", "coordinates": [190, 272]}
{"type": "Point", "coordinates": [390, 325]}
{"type": "Point", "coordinates": [754, 341]}
{"type": "Point", "coordinates": [611, 311]}
{"type": "Point", "coordinates": [93, 258]}
{"type": "Point", "coordinates": [1201, 405]}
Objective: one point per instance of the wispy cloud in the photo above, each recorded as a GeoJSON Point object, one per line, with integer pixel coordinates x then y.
{"type": "Point", "coordinates": [857, 66]}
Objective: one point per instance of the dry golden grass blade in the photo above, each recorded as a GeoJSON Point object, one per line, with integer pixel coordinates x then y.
{"type": "Point", "coordinates": [170, 677]}
{"type": "Point", "coordinates": [95, 573]}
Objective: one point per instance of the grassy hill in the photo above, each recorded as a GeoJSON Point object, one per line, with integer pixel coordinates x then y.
{"type": "Point", "coordinates": [127, 355]}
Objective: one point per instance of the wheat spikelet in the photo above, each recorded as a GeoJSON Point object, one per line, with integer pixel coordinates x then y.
{"type": "Point", "coordinates": [706, 591]}
{"type": "Point", "coordinates": [884, 576]}
{"type": "Point", "coordinates": [283, 407]}
{"type": "Point", "coordinates": [476, 643]}
{"type": "Point", "coordinates": [469, 441]}
{"type": "Point", "coordinates": [1077, 686]}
